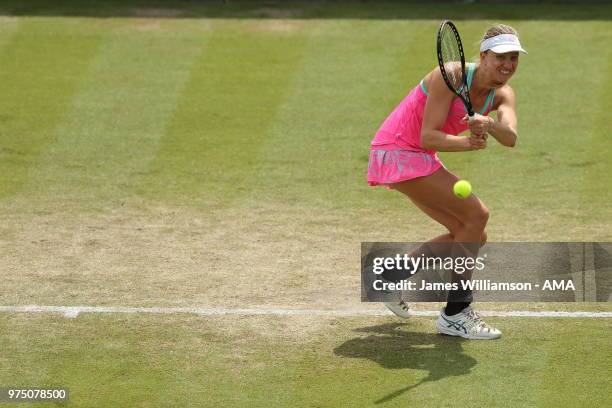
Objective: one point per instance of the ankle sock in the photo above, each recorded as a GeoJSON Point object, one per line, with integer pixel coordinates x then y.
{"type": "Point", "coordinates": [452, 308]}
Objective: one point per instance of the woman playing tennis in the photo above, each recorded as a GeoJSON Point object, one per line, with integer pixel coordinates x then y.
{"type": "Point", "coordinates": [403, 157]}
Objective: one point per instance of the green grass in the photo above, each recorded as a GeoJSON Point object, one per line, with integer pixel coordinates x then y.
{"type": "Point", "coordinates": [206, 155]}
{"type": "Point", "coordinates": [215, 113]}
{"type": "Point", "coordinates": [260, 362]}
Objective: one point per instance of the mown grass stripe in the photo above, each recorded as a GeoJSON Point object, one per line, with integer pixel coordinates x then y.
{"type": "Point", "coordinates": [8, 27]}
{"type": "Point", "coordinates": [353, 75]}
{"type": "Point", "coordinates": [595, 165]}
{"type": "Point", "coordinates": [110, 133]}
{"type": "Point", "coordinates": [41, 67]}
{"type": "Point", "coordinates": [224, 116]}
{"type": "Point", "coordinates": [592, 373]}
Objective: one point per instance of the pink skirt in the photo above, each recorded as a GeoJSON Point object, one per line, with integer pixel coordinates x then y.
{"type": "Point", "coordinates": [393, 166]}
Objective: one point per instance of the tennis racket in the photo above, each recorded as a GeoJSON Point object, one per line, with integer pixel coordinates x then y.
{"type": "Point", "coordinates": [452, 63]}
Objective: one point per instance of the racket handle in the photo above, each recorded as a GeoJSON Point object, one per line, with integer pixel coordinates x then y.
{"type": "Point", "coordinates": [471, 118]}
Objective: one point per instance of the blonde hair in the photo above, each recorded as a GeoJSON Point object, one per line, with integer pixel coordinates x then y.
{"type": "Point", "coordinates": [498, 29]}
{"type": "Point", "coordinates": [492, 31]}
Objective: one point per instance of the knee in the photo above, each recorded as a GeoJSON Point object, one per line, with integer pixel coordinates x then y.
{"type": "Point", "coordinates": [482, 216]}
{"type": "Point", "coordinates": [477, 219]}
{"type": "Point", "coordinates": [454, 228]}
{"type": "Point", "coordinates": [483, 239]}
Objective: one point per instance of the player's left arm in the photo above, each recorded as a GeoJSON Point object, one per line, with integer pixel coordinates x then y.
{"type": "Point", "coordinates": [504, 128]}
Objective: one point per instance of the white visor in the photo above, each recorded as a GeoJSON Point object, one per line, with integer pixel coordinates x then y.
{"type": "Point", "coordinates": [502, 43]}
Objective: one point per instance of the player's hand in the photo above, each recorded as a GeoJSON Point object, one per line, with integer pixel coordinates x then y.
{"type": "Point", "coordinates": [479, 125]}
{"type": "Point", "coordinates": [477, 142]}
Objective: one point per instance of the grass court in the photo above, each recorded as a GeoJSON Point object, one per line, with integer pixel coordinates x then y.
{"type": "Point", "coordinates": [209, 154]}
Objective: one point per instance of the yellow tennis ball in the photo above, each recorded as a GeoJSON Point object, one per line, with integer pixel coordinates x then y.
{"type": "Point", "coordinates": [462, 189]}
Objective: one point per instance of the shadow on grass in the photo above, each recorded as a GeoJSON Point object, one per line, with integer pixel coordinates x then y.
{"type": "Point", "coordinates": [318, 9]}
{"type": "Point", "coordinates": [394, 348]}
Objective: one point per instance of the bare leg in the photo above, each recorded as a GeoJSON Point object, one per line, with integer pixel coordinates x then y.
{"type": "Point", "coordinates": [464, 218]}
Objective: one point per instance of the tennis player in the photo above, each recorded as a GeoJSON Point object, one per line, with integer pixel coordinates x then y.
{"type": "Point", "coordinates": [403, 157]}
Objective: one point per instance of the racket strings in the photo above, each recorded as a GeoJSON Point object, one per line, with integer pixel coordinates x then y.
{"type": "Point", "coordinates": [451, 58]}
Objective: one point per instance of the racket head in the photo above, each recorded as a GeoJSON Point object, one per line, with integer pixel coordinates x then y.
{"type": "Point", "coordinates": [451, 61]}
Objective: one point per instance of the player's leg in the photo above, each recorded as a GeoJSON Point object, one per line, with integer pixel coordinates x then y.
{"type": "Point", "coordinates": [431, 248]}
{"type": "Point", "coordinates": [417, 190]}
{"type": "Point", "coordinates": [466, 220]}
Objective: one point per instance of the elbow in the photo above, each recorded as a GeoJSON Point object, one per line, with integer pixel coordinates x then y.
{"type": "Point", "coordinates": [512, 141]}
{"type": "Point", "coordinates": [509, 139]}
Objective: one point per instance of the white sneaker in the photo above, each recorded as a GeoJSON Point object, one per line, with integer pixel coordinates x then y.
{"type": "Point", "coordinates": [400, 308]}
{"type": "Point", "coordinates": [467, 324]}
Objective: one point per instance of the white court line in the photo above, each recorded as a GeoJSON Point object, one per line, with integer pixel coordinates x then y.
{"type": "Point", "coordinates": [74, 311]}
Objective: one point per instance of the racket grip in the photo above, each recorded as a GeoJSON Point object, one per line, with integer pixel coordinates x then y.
{"type": "Point", "coordinates": [471, 118]}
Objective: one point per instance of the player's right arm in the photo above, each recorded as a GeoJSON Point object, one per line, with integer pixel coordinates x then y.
{"type": "Point", "coordinates": [437, 106]}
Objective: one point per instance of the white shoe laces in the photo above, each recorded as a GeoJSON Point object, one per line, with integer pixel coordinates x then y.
{"type": "Point", "coordinates": [475, 320]}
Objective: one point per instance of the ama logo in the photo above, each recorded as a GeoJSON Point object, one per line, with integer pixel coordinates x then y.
{"type": "Point", "coordinates": [558, 285]}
